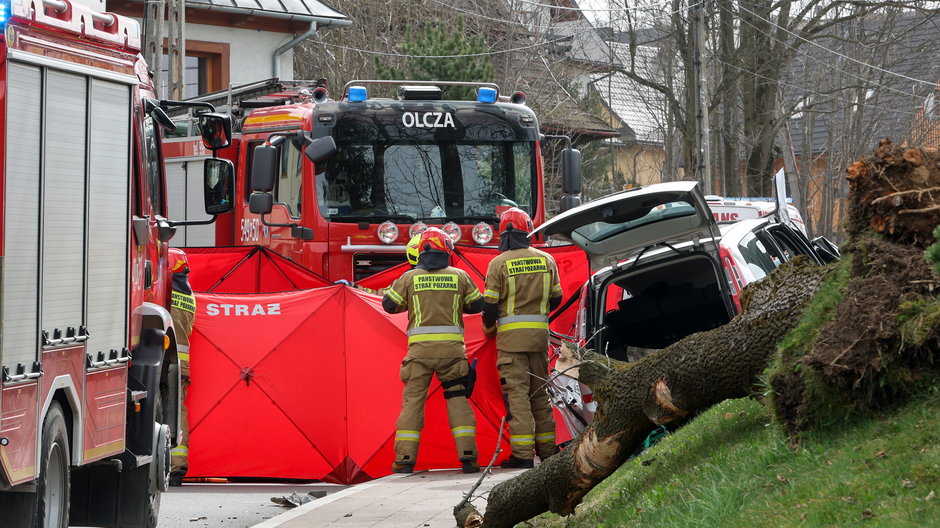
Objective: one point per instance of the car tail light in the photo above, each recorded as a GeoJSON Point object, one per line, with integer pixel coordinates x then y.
{"type": "Point", "coordinates": [733, 275]}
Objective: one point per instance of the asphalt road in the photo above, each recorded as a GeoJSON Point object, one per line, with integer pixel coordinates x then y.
{"type": "Point", "coordinates": [228, 505]}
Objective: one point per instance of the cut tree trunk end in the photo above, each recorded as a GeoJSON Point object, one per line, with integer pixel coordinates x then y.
{"type": "Point", "coordinates": [634, 398]}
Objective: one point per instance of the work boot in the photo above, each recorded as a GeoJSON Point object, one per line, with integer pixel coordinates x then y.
{"type": "Point", "coordinates": [471, 466]}
{"type": "Point", "coordinates": [513, 462]}
{"type": "Point", "coordinates": [403, 467]}
{"type": "Point", "coordinates": [176, 477]}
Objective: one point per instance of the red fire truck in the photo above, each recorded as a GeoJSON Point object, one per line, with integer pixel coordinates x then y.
{"type": "Point", "coordinates": [346, 183]}
{"type": "Point", "coordinates": [89, 387]}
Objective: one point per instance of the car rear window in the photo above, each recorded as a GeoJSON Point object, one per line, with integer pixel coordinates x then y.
{"type": "Point", "coordinates": [598, 231]}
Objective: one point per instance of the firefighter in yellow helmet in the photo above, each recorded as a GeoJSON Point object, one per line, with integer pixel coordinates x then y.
{"type": "Point", "coordinates": [183, 311]}
{"type": "Point", "coordinates": [436, 295]}
{"type": "Point", "coordinates": [522, 287]}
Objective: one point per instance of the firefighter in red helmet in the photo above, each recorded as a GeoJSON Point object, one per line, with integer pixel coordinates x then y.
{"type": "Point", "coordinates": [435, 294]}
{"type": "Point", "coordinates": [522, 287]}
{"type": "Point", "coordinates": [183, 311]}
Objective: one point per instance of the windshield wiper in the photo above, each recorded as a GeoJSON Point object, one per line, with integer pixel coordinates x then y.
{"type": "Point", "coordinates": [401, 219]}
{"type": "Point", "coordinates": [445, 219]}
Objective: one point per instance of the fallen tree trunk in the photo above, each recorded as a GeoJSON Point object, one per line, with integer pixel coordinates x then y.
{"type": "Point", "coordinates": [895, 193]}
{"type": "Point", "coordinates": [634, 398]}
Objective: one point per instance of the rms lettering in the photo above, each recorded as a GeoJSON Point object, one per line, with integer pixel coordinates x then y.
{"type": "Point", "coordinates": [427, 120]}
{"type": "Point", "coordinates": [435, 282]}
{"type": "Point", "coordinates": [243, 309]}
{"type": "Point", "coordinates": [527, 265]}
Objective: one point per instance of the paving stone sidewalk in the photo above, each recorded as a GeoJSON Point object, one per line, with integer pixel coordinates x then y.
{"type": "Point", "coordinates": [424, 499]}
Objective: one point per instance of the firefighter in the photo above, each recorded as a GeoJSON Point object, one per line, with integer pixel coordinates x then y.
{"type": "Point", "coordinates": [183, 310]}
{"type": "Point", "coordinates": [435, 295]}
{"type": "Point", "coordinates": [522, 287]}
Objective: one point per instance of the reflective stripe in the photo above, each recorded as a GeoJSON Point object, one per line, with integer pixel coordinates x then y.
{"type": "Point", "coordinates": [182, 348]}
{"type": "Point", "coordinates": [522, 439]}
{"type": "Point", "coordinates": [491, 294]}
{"type": "Point", "coordinates": [182, 355]}
{"type": "Point", "coordinates": [545, 437]}
{"type": "Point", "coordinates": [556, 288]}
{"type": "Point", "coordinates": [179, 450]}
{"type": "Point", "coordinates": [543, 306]}
{"type": "Point", "coordinates": [464, 431]}
{"type": "Point", "coordinates": [417, 310]}
{"type": "Point", "coordinates": [474, 295]}
{"type": "Point", "coordinates": [456, 310]}
{"type": "Point", "coordinates": [518, 326]}
{"type": "Point", "coordinates": [408, 436]}
{"type": "Point", "coordinates": [523, 319]}
{"type": "Point", "coordinates": [393, 295]}
{"type": "Point", "coordinates": [434, 337]}
{"type": "Point", "coordinates": [419, 330]}
{"type": "Point", "coordinates": [511, 305]}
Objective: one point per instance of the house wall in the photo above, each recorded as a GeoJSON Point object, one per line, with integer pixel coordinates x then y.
{"type": "Point", "coordinates": [251, 51]}
{"type": "Point", "coordinates": [640, 165]}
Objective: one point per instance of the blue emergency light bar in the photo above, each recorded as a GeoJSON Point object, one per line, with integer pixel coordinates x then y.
{"type": "Point", "coordinates": [486, 95]}
{"type": "Point", "coordinates": [357, 94]}
{"type": "Point", "coordinates": [4, 13]}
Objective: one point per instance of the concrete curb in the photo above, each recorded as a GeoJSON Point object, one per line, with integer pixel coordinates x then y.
{"type": "Point", "coordinates": [299, 511]}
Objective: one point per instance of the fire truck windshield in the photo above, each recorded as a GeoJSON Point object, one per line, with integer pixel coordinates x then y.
{"type": "Point", "coordinates": [434, 182]}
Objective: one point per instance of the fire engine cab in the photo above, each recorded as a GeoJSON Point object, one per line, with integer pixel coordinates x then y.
{"type": "Point", "coordinates": [340, 186]}
{"type": "Point", "coordinates": [89, 384]}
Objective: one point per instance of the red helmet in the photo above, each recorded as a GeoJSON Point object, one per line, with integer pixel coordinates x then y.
{"type": "Point", "coordinates": [177, 260]}
{"type": "Point", "coordinates": [435, 238]}
{"type": "Point", "coordinates": [517, 219]}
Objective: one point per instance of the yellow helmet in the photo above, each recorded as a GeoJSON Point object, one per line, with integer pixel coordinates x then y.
{"type": "Point", "coordinates": [411, 250]}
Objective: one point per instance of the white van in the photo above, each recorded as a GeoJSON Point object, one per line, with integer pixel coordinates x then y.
{"type": "Point", "coordinates": [729, 210]}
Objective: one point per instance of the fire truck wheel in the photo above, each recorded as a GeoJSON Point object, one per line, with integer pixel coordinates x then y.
{"type": "Point", "coordinates": [53, 490]}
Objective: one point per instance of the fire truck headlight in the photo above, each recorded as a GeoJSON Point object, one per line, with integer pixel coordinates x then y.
{"type": "Point", "coordinates": [387, 232]}
{"type": "Point", "coordinates": [416, 229]}
{"type": "Point", "coordinates": [482, 233]}
{"type": "Point", "coordinates": [452, 230]}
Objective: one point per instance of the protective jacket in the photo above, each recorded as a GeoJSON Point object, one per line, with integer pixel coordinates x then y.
{"type": "Point", "coordinates": [522, 287]}
{"type": "Point", "coordinates": [436, 301]}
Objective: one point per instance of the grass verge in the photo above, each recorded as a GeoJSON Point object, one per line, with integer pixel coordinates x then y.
{"type": "Point", "coordinates": [732, 467]}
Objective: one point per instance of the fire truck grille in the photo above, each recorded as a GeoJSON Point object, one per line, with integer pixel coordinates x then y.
{"type": "Point", "coordinates": [366, 264]}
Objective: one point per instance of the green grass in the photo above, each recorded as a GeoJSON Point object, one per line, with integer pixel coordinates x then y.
{"type": "Point", "coordinates": [731, 467]}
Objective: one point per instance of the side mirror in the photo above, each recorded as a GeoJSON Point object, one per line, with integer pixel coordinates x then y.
{"type": "Point", "coordinates": [260, 203]}
{"type": "Point", "coordinates": [571, 171]}
{"type": "Point", "coordinates": [218, 179]}
{"type": "Point", "coordinates": [569, 201]}
{"type": "Point", "coordinates": [320, 149]}
{"type": "Point", "coordinates": [263, 166]}
{"type": "Point", "coordinates": [161, 117]}
{"type": "Point", "coordinates": [165, 230]}
{"type": "Point", "coordinates": [216, 130]}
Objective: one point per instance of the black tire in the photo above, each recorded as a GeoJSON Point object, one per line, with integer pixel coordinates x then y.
{"type": "Point", "coordinates": [54, 485]}
{"type": "Point", "coordinates": [153, 498]}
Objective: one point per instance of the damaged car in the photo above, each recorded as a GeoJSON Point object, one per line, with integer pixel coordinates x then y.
{"type": "Point", "coordinates": [664, 268]}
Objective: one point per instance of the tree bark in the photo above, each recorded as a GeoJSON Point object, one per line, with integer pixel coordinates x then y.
{"type": "Point", "coordinates": [634, 398]}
